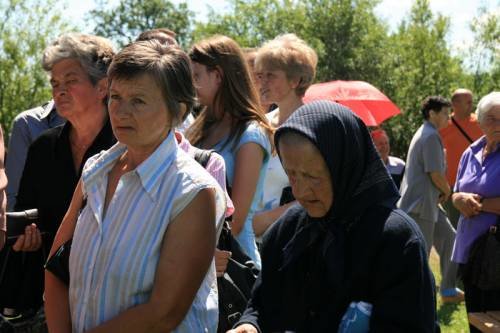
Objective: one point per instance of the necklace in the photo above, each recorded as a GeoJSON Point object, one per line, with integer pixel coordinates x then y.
{"type": "Point", "coordinates": [77, 145]}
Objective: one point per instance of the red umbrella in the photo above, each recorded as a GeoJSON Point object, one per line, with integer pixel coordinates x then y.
{"type": "Point", "coordinates": [371, 105]}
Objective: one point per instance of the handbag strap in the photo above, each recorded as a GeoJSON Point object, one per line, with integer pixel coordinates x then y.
{"type": "Point", "coordinates": [461, 130]}
{"type": "Point", "coordinates": [202, 156]}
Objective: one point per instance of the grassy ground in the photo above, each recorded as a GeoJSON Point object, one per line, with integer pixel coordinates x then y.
{"type": "Point", "coordinates": [452, 317]}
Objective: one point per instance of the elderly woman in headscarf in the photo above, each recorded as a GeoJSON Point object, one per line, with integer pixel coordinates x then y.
{"type": "Point", "coordinates": [346, 242]}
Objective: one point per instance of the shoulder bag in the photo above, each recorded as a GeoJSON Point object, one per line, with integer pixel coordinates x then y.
{"type": "Point", "coordinates": [483, 266]}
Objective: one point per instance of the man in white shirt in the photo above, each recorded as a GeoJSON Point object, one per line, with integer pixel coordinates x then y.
{"type": "Point", "coordinates": [395, 165]}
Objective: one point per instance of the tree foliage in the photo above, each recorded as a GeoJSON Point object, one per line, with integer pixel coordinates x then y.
{"type": "Point", "coordinates": [352, 43]}
{"type": "Point", "coordinates": [418, 64]}
{"type": "Point", "coordinates": [125, 21]}
{"type": "Point", "coordinates": [352, 39]}
{"type": "Point", "coordinates": [251, 23]}
{"type": "Point", "coordinates": [484, 53]}
{"type": "Point", "coordinates": [346, 34]}
{"type": "Point", "coordinates": [26, 26]}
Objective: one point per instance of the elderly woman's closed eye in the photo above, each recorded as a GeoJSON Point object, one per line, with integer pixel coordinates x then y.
{"type": "Point", "coordinates": [309, 175]}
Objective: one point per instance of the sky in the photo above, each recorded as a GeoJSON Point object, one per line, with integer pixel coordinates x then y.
{"type": "Point", "coordinates": [460, 12]}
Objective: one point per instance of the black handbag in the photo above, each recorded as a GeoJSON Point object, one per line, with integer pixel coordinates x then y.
{"type": "Point", "coordinates": [58, 263]}
{"type": "Point", "coordinates": [483, 266]}
{"type": "Point", "coordinates": [16, 286]}
{"type": "Point", "coordinates": [18, 221]}
{"type": "Point", "coordinates": [236, 284]}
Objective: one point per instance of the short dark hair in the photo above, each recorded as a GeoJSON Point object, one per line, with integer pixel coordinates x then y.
{"type": "Point", "coordinates": [168, 66]}
{"type": "Point", "coordinates": [163, 35]}
{"type": "Point", "coordinates": [434, 103]}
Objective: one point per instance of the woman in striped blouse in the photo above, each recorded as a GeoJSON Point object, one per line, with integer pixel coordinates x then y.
{"type": "Point", "coordinates": [142, 254]}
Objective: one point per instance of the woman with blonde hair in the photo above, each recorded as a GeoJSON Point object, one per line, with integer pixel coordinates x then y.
{"type": "Point", "coordinates": [285, 68]}
{"type": "Point", "coordinates": [233, 124]}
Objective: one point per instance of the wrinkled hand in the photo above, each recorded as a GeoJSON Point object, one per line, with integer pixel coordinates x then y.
{"type": "Point", "coordinates": [221, 259]}
{"type": "Point", "coordinates": [443, 197]}
{"type": "Point", "coordinates": [244, 328]}
{"type": "Point", "coordinates": [468, 204]}
{"type": "Point", "coordinates": [30, 241]}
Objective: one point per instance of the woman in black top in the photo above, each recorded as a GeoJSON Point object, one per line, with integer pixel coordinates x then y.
{"type": "Point", "coordinates": [78, 66]}
{"type": "Point", "coordinates": [346, 242]}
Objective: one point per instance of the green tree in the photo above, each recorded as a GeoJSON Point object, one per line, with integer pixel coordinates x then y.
{"type": "Point", "coordinates": [25, 28]}
{"type": "Point", "coordinates": [250, 23]}
{"type": "Point", "coordinates": [484, 53]}
{"type": "Point", "coordinates": [352, 39]}
{"type": "Point", "coordinates": [125, 21]}
{"type": "Point", "coordinates": [418, 64]}
{"type": "Point", "coordinates": [347, 36]}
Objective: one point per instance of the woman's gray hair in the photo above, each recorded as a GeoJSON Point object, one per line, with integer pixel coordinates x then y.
{"type": "Point", "coordinates": [486, 104]}
{"type": "Point", "coordinates": [93, 52]}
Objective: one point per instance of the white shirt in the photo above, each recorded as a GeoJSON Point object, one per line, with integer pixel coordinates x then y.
{"type": "Point", "coordinates": [275, 181]}
{"type": "Point", "coordinates": [114, 257]}
{"type": "Point", "coordinates": [395, 165]}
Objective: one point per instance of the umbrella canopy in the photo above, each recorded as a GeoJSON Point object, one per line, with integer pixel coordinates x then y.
{"type": "Point", "coordinates": [369, 103]}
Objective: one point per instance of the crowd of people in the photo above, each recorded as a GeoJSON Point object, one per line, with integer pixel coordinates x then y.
{"type": "Point", "coordinates": [146, 158]}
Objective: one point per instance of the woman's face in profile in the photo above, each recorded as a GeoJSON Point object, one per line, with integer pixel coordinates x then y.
{"type": "Point", "coordinates": [275, 86]}
{"type": "Point", "coordinates": [309, 176]}
{"type": "Point", "coordinates": [138, 114]}
{"type": "Point", "coordinates": [206, 83]}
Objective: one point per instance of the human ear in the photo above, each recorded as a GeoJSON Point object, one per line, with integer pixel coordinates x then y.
{"type": "Point", "coordinates": [177, 119]}
{"type": "Point", "coordinates": [294, 82]}
{"type": "Point", "coordinates": [102, 87]}
{"type": "Point", "coordinates": [218, 74]}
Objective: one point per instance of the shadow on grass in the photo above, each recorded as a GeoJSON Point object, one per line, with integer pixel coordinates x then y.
{"type": "Point", "coordinates": [445, 312]}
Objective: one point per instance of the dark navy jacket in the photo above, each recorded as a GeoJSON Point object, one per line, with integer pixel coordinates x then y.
{"type": "Point", "coordinates": [385, 264]}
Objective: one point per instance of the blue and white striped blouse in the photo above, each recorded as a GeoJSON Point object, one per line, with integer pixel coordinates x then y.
{"type": "Point", "coordinates": [114, 258]}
